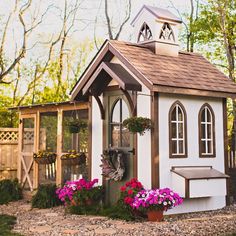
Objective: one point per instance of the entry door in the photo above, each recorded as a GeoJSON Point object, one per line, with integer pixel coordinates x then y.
{"type": "Point", "coordinates": [27, 139]}
{"type": "Point", "coordinates": [118, 137]}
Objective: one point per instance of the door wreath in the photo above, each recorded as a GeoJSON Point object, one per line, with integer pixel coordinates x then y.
{"type": "Point", "coordinates": [113, 165]}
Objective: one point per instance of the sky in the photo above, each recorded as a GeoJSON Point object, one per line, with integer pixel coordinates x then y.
{"type": "Point", "coordinates": [88, 12]}
{"type": "Point", "coordinates": [85, 27]}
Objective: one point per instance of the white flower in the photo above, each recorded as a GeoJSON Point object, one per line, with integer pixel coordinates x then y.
{"type": "Point", "coordinates": [169, 202]}
{"type": "Point", "coordinates": [159, 202]}
{"type": "Point", "coordinates": [173, 201]}
{"type": "Point", "coordinates": [164, 203]}
{"type": "Point", "coordinates": [143, 195]}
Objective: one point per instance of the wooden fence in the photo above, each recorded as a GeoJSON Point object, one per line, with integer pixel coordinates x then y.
{"type": "Point", "coordinates": [8, 152]}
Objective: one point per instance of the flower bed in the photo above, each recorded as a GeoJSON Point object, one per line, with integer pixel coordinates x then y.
{"type": "Point", "coordinates": [135, 203]}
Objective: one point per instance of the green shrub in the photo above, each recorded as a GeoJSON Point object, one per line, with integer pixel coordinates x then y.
{"type": "Point", "coordinates": [6, 224]}
{"type": "Point", "coordinates": [118, 212]}
{"type": "Point", "coordinates": [10, 190]}
{"type": "Point", "coordinates": [46, 197]}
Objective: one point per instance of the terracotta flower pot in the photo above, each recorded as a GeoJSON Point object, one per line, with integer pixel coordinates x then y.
{"type": "Point", "coordinates": [155, 215]}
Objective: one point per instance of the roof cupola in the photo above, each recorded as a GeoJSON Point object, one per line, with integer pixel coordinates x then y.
{"type": "Point", "coordinates": [157, 29]}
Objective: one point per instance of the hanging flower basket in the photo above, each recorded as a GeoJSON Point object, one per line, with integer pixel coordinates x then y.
{"type": "Point", "coordinates": [77, 126]}
{"type": "Point", "coordinates": [113, 166]}
{"type": "Point", "coordinates": [45, 157]}
{"type": "Point", "coordinates": [73, 158]}
{"type": "Point", "coordinates": [138, 124]}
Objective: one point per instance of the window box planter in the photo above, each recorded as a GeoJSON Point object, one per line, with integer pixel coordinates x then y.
{"type": "Point", "coordinates": [44, 157]}
{"type": "Point", "coordinates": [73, 158]}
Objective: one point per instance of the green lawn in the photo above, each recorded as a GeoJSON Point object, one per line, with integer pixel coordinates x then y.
{"type": "Point", "coordinates": [6, 224]}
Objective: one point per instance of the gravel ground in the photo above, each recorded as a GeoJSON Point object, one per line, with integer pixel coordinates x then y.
{"type": "Point", "coordinates": [55, 222]}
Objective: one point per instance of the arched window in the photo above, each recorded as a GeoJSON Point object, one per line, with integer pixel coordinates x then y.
{"type": "Point", "coordinates": [167, 33]}
{"type": "Point", "coordinates": [177, 131]}
{"type": "Point", "coordinates": [206, 131]}
{"type": "Point", "coordinates": [145, 33]}
{"type": "Point", "coordinates": [120, 136]}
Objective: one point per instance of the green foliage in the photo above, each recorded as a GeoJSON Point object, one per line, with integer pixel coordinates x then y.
{"type": "Point", "coordinates": [7, 118]}
{"type": "Point", "coordinates": [10, 190]}
{"type": "Point", "coordinates": [138, 124]}
{"type": "Point", "coordinates": [118, 211]}
{"type": "Point", "coordinates": [46, 197]}
{"type": "Point", "coordinates": [48, 123]}
{"type": "Point", "coordinates": [6, 224]}
{"type": "Point", "coordinates": [94, 195]}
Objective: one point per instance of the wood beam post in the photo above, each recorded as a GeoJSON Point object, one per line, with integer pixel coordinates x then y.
{"type": "Point", "coordinates": [59, 147]}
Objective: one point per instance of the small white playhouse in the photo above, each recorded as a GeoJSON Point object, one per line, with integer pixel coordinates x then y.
{"type": "Point", "coordinates": [184, 96]}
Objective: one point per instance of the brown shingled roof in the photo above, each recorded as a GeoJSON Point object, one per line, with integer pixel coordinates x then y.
{"type": "Point", "coordinates": [188, 70]}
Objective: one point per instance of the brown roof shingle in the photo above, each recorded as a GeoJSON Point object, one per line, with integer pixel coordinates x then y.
{"type": "Point", "coordinates": [188, 70]}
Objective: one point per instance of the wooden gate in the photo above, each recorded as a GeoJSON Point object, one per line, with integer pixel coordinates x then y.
{"type": "Point", "coordinates": [8, 152]}
{"type": "Point", "coordinates": [27, 147]}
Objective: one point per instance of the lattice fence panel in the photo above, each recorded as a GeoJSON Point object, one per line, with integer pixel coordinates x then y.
{"type": "Point", "coordinates": [9, 135]}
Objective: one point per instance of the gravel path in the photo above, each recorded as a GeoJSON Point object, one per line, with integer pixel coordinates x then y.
{"type": "Point", "coordinates": [55, 222]}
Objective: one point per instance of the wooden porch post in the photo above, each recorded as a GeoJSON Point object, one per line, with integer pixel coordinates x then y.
{"type": "Point", "coordinates": [19, 148]}
{"type": "Point", "coordinates": [36, 149]}
{"type": "Point", "coordinates": [59, 147]}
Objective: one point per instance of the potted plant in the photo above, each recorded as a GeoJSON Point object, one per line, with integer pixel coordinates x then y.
{"type": "Point", "coordinates": [45, 157]}
{"type": "Point", "coordinates": [155, 201]}
{"type": "Point", "coordinates": [80, 192]}
{"type": "Point", "coordinates": [138, 124]}
{"type": "Point", "coordinates": [74, 158]}
{"type": "Point", "coordinates": [77, 126]}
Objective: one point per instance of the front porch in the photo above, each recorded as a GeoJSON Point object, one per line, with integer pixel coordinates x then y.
{"type": "Point", "coordinates": [45, 128]}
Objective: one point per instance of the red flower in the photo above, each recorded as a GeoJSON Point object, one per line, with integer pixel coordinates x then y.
{"type": "Point", "coordinates": [139, 185]}
{"type": "Point", "coordinates": [123, 188]}
{"type": "Point", "coordinates": [133, 180]}
{"type": "Point", "coordinates": [134, 185]}
{"type": "Point", "coordinates": [128, 200]}
{"type": "Point", "coordinates": [130, 191]}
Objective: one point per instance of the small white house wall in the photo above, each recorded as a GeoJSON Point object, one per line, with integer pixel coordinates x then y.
{"type": "Point", "coordinates": [144, 141]}
{"type": "Point", "coordinates": [192, 106]}
{"type": "Point", "coordinates": [97, 145]}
